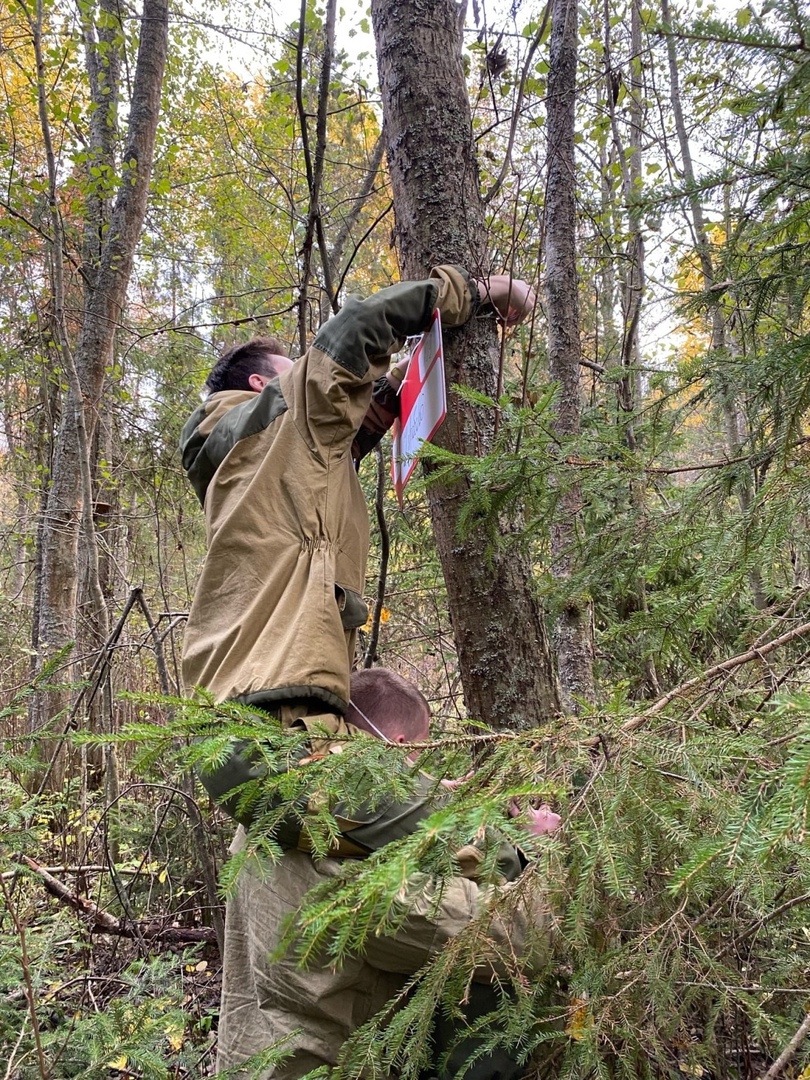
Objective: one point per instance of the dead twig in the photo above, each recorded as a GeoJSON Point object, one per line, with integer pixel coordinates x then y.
{"type": "Point", "coordinates": [789, 1050]}
{"type": "Point", "coordinates": [755, 927]}
{"type": "Point", "coordinates": [755, 653]}
{"type": "Point", "coordinates": [106, 923]}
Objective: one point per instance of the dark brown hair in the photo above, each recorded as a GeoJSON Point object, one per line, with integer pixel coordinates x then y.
{"type": "Point", "coordinates": [234, 367]}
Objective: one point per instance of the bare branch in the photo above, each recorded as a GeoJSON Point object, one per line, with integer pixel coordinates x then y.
{"type": "Point", "coordinates": [733, 662]}
{"type": "Point", "coordinates": [100, 920]}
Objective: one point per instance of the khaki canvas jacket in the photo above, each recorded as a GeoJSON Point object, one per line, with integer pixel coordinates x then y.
{"type": "Point", "coordinates": [279, 597]}
{"type": "Point", "coordinates": [267, 997]}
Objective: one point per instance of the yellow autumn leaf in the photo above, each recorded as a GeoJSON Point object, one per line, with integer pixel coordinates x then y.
{"type": "Point", "coordinates": [117, 1063]}
{"type": "Point", "coordinates": [579, 1020]}
{"type": "Point", "coordinates": [174, 1034]}
{"type": "Point", "coordinates": [385, 615]}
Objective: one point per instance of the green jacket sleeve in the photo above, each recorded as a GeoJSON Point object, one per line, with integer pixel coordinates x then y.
{"type": "Point", "coordinates": [375, 828]}
{"type": "Point", "coordinates": [329, 388]}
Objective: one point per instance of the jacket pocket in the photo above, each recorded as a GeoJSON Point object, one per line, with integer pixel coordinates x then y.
{"type": "Point", "coordinates": [352, 607]}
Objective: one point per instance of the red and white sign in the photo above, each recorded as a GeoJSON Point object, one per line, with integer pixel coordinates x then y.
{"type": "Point", "coordinates": [423, 404]}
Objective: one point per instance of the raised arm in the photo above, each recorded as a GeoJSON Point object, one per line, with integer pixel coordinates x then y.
{"type": "Point", "coordinates": [330, 385]}
{"type": "Point", "coordinates": [511, 299]}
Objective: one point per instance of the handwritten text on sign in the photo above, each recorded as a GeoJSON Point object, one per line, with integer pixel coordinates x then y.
{"type": "Point", "coordinates": [423, 404]}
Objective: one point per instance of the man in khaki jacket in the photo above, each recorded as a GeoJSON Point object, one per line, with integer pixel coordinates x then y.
{"type": "Point", "coordinates": [267, 999]}
{"type": "Point", "coordinates": [269, 454]}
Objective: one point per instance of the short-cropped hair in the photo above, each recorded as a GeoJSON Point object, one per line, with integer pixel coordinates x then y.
{"type": "Point", "coordinates": [391, 702]}
{"type": "Point", "coordinates": [234, 367]}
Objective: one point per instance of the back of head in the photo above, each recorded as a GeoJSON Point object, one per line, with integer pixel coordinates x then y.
{"type": "Point", "coordinates": [234, 368]}
{"type": "Point", "coordinates": [383, 700]}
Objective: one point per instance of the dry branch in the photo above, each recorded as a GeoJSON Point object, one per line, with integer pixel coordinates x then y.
{"type": "Point", "coordinates": [790, 1050]}
{"type": "Point", "coordinates": [103, 922]}
{"type": "Point", "coordinates": [755, 653]}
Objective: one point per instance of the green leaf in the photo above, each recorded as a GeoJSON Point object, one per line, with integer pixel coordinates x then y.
{"type": "Point", "coordinates": [743, 17]}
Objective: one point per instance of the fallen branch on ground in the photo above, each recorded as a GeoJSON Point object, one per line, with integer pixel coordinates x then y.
{"type": "Point", "coordinates": [101, 921]}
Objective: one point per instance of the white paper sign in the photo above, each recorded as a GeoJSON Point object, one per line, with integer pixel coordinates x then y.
{"type": "Point", "coordinates": [423, 404]}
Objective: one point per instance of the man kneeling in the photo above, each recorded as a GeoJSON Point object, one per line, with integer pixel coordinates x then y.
{"type": "Point", "coordinates": [267, 998]}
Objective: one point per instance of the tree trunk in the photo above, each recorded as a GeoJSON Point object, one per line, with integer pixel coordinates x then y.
{"type": "Point", "coordinates": [632, 275]}
{"type": "Point", "coordinates": [719, 339]}
{"type": "Point", "coordinates": [504, 657]}
{"type": "Point", "coordinates": [69, 508]}
{"type": "Point", "coordinates": [573, 632]}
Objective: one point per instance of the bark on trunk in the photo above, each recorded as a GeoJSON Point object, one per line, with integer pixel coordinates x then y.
{"type": "Point", "coordinates": [573, 632]}
{"type": "Point", "coordinates": [504, 658]}
{"type": "Point", "coordinates": [69, 510]}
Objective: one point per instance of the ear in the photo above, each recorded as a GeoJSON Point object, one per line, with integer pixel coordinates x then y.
{"type": "Point", "coordinates": [257, 382]}
{"type": "Point", "coordinates": [400, 739]}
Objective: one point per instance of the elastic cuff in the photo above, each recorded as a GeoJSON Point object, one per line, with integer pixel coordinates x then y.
{"type": "Point", "coordinates": [475, 296]}
{"type": "Point", "coordinates": [454, 296]}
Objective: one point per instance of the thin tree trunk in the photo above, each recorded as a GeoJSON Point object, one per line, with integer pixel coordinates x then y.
{"type": "Point", "coordinates": [338, 248]}
{"type": "Point", "coordinates": [628, 390]}
{"type": "Point", "coordinates": [573, 631]}
{"type": "Point", "coordinates": [607, 351]}
{"type": "Point", "coordinates": [719, 342]}
{"type": "Point", "coordinates": [314, 165]}
{"type": "Point", "coordinates": [504, 658]}
{"type": "Point", "coordinates": [632, 277]}
{"type": "Point", "coordinates": [103, 63]}
{"type": "Point", "coordinates": [633, 285]}
{"type": "Point", "coordinates": [69, 509]}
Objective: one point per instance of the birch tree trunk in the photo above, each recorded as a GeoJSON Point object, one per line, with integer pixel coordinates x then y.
{"type": "Point", "coordinates": [108, 256]}
{"type": "Point", "coordinates": [573, 632]}
{"type": "Point", "coordinates": [504, 656]}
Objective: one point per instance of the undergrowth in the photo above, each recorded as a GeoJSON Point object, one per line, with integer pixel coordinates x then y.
{"type": "Point", "coordinates": [676, 891]}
